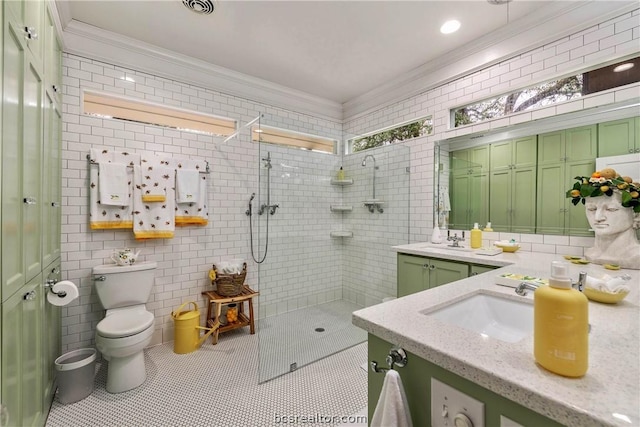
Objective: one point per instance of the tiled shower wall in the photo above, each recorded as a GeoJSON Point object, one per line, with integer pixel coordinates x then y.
{"type": "Point", "coordinates": [369, 265]}
{"type": "Point", "coordinates": [183, 261]}
{"type": "Point", "coordinates": [611, 39]}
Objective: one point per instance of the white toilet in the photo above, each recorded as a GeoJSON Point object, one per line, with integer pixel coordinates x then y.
{"type": "Point", "coordinates": [127, 326]}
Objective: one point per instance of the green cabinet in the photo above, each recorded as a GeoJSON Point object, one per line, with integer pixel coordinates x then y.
{"type": "Point", "coordinates": [22, 368]}
{"type": "Point", "coordinates": [469, 183]}
{"type": "Point", "coordinates": [512, 185]}
{"type": "Point", "coordinates": [476, 269]}
{"type": "Point", "coordinates": [51, 182]}
{"type": "Point", "coordinates": [619, 137]}
{"type": "Point", "coordinates": [30, 199]}
{"type": "Point", "coordinates": [417, 273]}
{"type": "Point", "coordinates": [562, 156]}
{"type": "Point", "coordinates": [416, 379]}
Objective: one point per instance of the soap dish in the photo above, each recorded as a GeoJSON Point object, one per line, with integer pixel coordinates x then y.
{"type": "Point", "coordinates": [489, 251]}
{"type": "Point", "coordinates": [604, 297]}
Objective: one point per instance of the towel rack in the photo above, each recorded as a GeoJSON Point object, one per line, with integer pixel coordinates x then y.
{"type": "Point", "coordinates": [396, 357]}
{"type": "Point", "coordinates": [93, 162]}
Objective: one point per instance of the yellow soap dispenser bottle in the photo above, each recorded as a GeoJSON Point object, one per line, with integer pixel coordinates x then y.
{"type": "Point", "coordinates": [340, 174]}
{"type": "Point", "coordinates": [476, 237]}
{"type": "Point", "coordinates": [561, 325]}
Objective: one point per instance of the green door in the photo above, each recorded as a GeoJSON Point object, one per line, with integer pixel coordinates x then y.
{"type": "Point", "coordinates": [13, 262]}
{"type": "Point", "coordinates": [413, 274]}
{"type": "Point", "coordinates": [22, 354]}
{"type": "Point", "coordinates": [501, 156]}
{"type": "Point", "coordinates": [523, 200]}
{"type": "Point", "coordinates": [576, 219]}
{"type": "Point", "coordinates": [460, 194]}
{"type": "Point", "coordinates": [51, 339]}
{"type": "Point", "coordinates": [551, 148]}
{"type": "Point", "coordinates": [442, 272]}
{"type": "Point", "coordinates": [500, 200]}
{"type": "Point", "coordinates": [581, 144]}
{"type": "Point", "coordinates": [616, 138]}
{"type": "Point", "coordinates": [524, 152]}
{"type": "Point", "coordinates": [478, 198]}
{"type": "Point", "coordinates": [551, 203]}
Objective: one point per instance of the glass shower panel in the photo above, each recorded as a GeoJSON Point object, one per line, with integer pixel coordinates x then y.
{"type": "Point", "coordinates": [311, 282]}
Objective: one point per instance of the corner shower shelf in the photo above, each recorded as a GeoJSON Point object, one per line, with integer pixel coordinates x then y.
{"type": "Point", "coordinates": [341, 234]}
{"type": "Point", "coordinates": [341, 208]}
{"type": "Point", "coordinates": [348, 181]}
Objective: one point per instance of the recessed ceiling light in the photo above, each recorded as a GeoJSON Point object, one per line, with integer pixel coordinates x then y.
{"type": "Point", "coordinates": [623, 67]}
{"type": "Point", "coordinates": [450, 27]}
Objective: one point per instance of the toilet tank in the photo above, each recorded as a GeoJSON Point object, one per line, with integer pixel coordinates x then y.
{"type": "Point", "coordinates": [123, 286]}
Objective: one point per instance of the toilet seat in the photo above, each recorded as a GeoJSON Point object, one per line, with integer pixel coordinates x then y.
{"type": "Point", "coordinates": [124, 324]}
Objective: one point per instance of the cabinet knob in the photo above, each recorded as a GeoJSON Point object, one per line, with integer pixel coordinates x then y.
{"type": "Point", "coordinates": [55, 204]}
{"type": "Point", "coordinates": [631, 150]}
{"type": "Point", "coordinates": [432, 267]}
{"type": "Point", "coordinates": [637, 150]}
{"type": "Point", "coordinates": [425, 266]}
{"type": "Point", "coordinates": [30, 33]}
{"type": "Point", "coordinates": [55, 88]}
{"type": "Point", "coordinates": [29, 296]}
{"type": "Point", "coordinates": [29, 200]}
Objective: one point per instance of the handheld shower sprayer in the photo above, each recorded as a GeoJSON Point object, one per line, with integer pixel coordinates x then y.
{"type": "Point", "coordinates": [248, 211]}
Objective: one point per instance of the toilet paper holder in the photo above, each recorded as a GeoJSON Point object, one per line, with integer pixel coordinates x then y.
{"type": "Point", "coordinates": [49, 285]}
{"type": "Point", "coordinates": [396, 357]}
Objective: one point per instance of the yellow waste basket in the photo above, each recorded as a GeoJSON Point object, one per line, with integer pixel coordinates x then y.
{"type": "Point", "coordinates": [187, 329]}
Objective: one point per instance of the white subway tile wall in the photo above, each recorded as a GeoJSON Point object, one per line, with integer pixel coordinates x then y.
{"type": "Point", "coordinates": [305, 266]}
{"type": "Point", "coordinates": [296, 237]}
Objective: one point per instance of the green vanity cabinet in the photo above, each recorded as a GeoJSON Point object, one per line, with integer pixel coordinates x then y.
{"type": "Point", "coordinates": [476, 269]}
{"type": "Point", "coordinates": [416, 380]}
{"type": "Point", "coordinates": [562, 156]}
{"type": "Point", "coordinates": [512, 185]}
{"type": "Point", "coordinates": [417, 273]}
{"type": "Point", "coordinates": [619, 137]}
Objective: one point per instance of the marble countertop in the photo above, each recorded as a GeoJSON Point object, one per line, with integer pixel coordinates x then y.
{"type": "Point", "coordinates": [609, 393]}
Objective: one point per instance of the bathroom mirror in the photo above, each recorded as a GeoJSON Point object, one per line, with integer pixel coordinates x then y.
{"type": "Point", "coordinates": [470, 188]}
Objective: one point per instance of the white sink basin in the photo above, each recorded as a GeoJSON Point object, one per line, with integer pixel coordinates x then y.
{"type": "Point", "coordinates": [446, 246]}
{"type": "Point", "coordinates": [490, 316]}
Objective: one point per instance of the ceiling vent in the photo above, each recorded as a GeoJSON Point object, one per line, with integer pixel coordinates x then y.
{"type": "Point", "coordinates": [204, 7]}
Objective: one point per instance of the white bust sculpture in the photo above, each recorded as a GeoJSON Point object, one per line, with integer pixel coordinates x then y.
{"type": "Point", "coordinates": [614, 226]}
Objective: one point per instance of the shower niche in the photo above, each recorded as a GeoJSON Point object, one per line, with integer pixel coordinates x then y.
{"type": "Point", "coordinates": [341, 208]}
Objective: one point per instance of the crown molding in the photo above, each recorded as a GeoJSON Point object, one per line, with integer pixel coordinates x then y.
{"type": "Point", "coordinates": [558, 20]}
{"type": "Point", "coordinates": [92, 42]}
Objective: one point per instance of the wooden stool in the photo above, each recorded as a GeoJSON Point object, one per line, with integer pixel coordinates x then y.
{"type": "Point", "coordinates": [217, 301]}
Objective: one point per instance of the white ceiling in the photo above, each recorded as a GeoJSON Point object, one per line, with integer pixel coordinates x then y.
{"type": "Point", "coordinates": [336, 50]}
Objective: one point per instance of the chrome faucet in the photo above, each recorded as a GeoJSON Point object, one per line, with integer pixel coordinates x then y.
{"type": "Point", "coordinates": [582, 281]}
{"type": "Point", "coordinates": [523, 286]}
{"type": "Point", "coordinates": [455, 239]}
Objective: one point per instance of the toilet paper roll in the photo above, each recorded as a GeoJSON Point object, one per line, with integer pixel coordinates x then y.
{"type": "Point", "coordinates": [64, 286]}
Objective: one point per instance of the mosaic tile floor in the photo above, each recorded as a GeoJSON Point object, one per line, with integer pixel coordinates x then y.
{"type": "Point", "coordinates": [218, 386]}
{"type": "Point", "coordinates": [292, 337]}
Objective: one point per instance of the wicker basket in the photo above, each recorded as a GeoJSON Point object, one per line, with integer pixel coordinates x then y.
{"type": "Point", "coordinates": [229, 285]}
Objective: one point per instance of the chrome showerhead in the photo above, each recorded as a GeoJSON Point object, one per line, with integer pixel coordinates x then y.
{"type": "Point", "coordinates": [364, 161]}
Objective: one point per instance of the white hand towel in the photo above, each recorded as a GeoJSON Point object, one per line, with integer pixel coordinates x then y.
{"type": "Point", "coordinates": [103, 216]}
{"type": "Point", "coordinates": [607, 284]}
{"type": "Point", "coordinates": [392, 408]}
{"type": "Point", "coordinates": [113, 184]}
{"type": "Point", "coordinates": [196, 213]}
{"type": "Point", "coordinates": [187, 185]}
